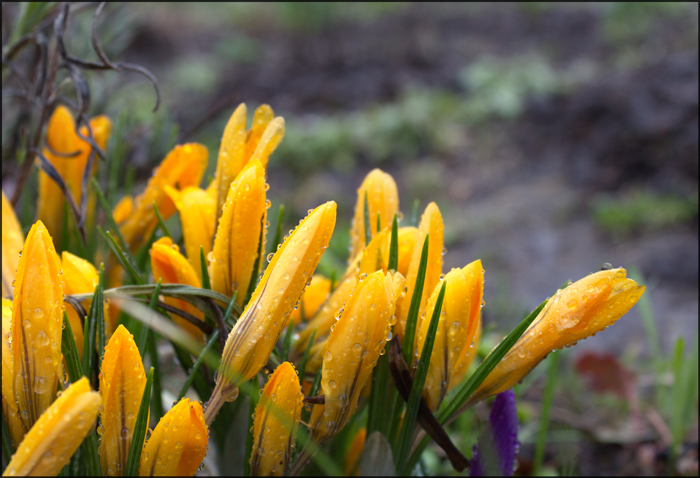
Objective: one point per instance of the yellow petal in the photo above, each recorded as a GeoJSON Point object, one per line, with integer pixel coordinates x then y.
{"type": "Point", "coordinates": [236, 246]}
{"type": "Point", "coordinates": [123, 209]}
{"type": "Point", "coordinates": [79, 276]}
{"type": "Point", "coordinates": [51, 442]}
{"type": "Point", "coordinates": [182, 167]}
{"type": "Point", "coordinates": [463, 364]}
{"type": "Point", "coordinates": [262, 116]}
{"type": "Point", "coordinates": [178, 444]}
{"type": "Point", "coordinates": [197, 210]}
{"type": "Point", "coordinates": [171, 267]}
{"type": "Point", "coordinates": [12, 241]}
{"type": "Point", "coordinates": [356, 341]}
{"type": "Point", "coordinates": [582, 309]}
{"type": "Point", "coordinates": [37, 321]}
{"type": "Point", "coordinates": [407, 243]}
{"type": "Point", "coordinates": [430, 223]}
{"type": "Point", "coordinates": [314, 296]}
{"type": "Point", "coordinates": [276, 421]}
{"type": "Point", "coordinates": [461, 310]}
{"type": "Point", "coordinates": [352, 455]}
{"type": "Point", "coordinates": [254, 336]}
{"type": "Point", "coordinates": [231, 153]}
{"type": "Point", "coordinates": [122, 381]}
{"type": "Point", "coordinates": [269, 141]}
{"type": "Point", "coordinates": [9, 405]}
{"type": "Point", "coordinates": [382, 197]}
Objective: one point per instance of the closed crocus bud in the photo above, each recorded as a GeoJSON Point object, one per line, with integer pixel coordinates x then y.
{"type": "Point", "coordinates": [237, 243]}
{"type": "Point", "coordinates": [240, 145]}
{"type": "Point", "coordinates": [182, 167]}
{"type": "Point", "coordinates": [171, 267]}
{"type": "Point", "coordinates": [9, 406]}
{"type": "Point", "coordinates": [68, 153]}
{"type": "Point", "coordinates": [356, 342]}
{"type": "Point", "coordinates": [312, 299]}
{"type": "Point", "coordinates": [382, 196]}
{"type": "Point", "coordinates": [12, 241]}
{"type": "Point", "coordinates": [178, 444]}
{"type": "Point", "coordinates": [461, 310]}
{"type": "Point", "coordinates": [430, 223]}
{"type": "Point", "coordinates": [254, 336]}
{"type": "Point", "coordinates": [466, 360]}
{"type": "Point", "coordinates": [122, 381]}
{"type": "Point", "coordinates": [276, 421]}
{"type": "Point", "coordinates": [407, 243]}
{"type": "Point", "coordinates": [197, 212]}
{"type": "Point", "coordinates": [60, 430]}
{"type": "Point", "coordinates": [352, 455]}
{"type": "Point", "coordinates": [582, 309]}
{"type": "Point", "coordinates": [37, 320]}
{"type": "Point", "coordinates": [80, 277]}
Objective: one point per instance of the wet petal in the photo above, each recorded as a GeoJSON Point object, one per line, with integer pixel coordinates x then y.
{"type": "Point", "coordinates": [9, 406]}
{"type": "Point", "coordinates": [12, 242]}
{"type": "Point", "coordinates": [314, 296]}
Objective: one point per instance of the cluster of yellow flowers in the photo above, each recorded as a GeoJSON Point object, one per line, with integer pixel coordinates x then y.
{"type": "Point", "coordinates": [226, 223]}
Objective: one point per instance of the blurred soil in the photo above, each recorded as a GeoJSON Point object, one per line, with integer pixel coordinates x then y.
{"type": "Point", "coordinates": [521, 192]}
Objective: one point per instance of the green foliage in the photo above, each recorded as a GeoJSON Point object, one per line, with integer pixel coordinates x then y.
{"type": "Point", "coordinates": [643, 211]}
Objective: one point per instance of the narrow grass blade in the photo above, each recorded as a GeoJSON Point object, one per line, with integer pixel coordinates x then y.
{"type": "Point", "coordinates": [122, 257]}
{"type": "Point", "coordinates": [334, 281]}
{"type": "Point", "coordinates": [377, 413]}
{"type": "Point", "coordinates": [161, 222]}
{"type": "Point", "coordinates": [379, 222]}
{"type": "Point", "coordinates": [394, 246]}
{"type": "Point", "coordinates": [134, 457]}
{"type": "Point", "coordinates": [256, 267]}
{"type": "Point", "coordinates": [476, 379]}
{"type": "Point", "coordinates": [193, 370]}
{"type": "Point", "coordinates": [316, 385]}
{"type": "Point", "coordinates": [287, 343]}
{"type": "Point", "coordinates": [90, 334]}
{"type": "Point", "coordinates": [687, 395]}
{"type": "Point", "coordinates": [206, 283]}
{"type": "Point", "coordinates": [249, 436]}
{"type": "Point", "coordinates": [412, 318]}
{"type": "Point", "coordinates": [414, 213]}
{"type": "Point", "coordinates": [108, 213]}
{"type": "Point", "coordinates": [305, 358]}
{"type": "Point", "coordinates": [70, 351]}
{"type": "Point", "coordinates": [229, 310]}
{"type": "Point", "coordinates": [157, 399]}
{"type": "Point", "coordinates": [98, 302]}
{"type": "Point", "coordinates": [546, 408]}
{"type": "Point", "coordinates": [368, 232]}
{"type": "Point", "coordinates": [409, 420]}
{"type": "Point", "coordinates": [278, 230]}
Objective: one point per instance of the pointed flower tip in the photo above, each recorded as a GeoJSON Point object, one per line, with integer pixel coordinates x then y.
{"type": "Point", "coordinates": [51, 442]}
{"type": "Point", "coordinates": [379, 191]}
{"type": "Point", "coordinates": [178, 444]}
{"type": "Point", "coordinates": [581, 310]}
{"type": "Point", "coordinates": [276, 421]}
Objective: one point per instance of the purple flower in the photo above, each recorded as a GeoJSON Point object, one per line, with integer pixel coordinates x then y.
{"type": "Point", "coordinates": [498, 444]}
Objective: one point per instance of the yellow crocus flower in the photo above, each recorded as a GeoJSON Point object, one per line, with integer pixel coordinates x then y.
{"type": "Point", "coordinates": [582, 309]}
{"type": "Point", "coordinates": [459, 318]}
{"type": "Point", "coordinates": [197, 210]}
{"type": "Point", "coordinates": [171, 267]}
{"type": "Point", "coordinates": [37, 319]}
{"type": "Point", "coordinates": [430, 223]}
{"type": "Point", "coordinates": [9, 405]}
{"type": "Point", "coordinates": [122, 381]}
{"type": "Point", "coordinates": [382, 197]}
{"type": "Point", "coordinates": [277, 416]}
{"type": "Point", "coordinates": [253, 337]}
{"type": "Point", "coordinates": [60, 430]}
{"type": "Point", "coordinates": [357, 339]}
{"type": "Point", "coordinates": [62, 138]}
{"type": "Point", "coordinates": [79, 277]}
{"type": "Point", "coordinates": [183, 166]}
{"type": "Point", "coordinates": [237, 242]}
{"type": "Point", "coordinates": [12, 241]}
{"type": "Point", "coordinates": [178, 444]}
{"type": "Point", "coordinates": [407, 243]}
{"type": "Point", "coordinates": [465, 361]}
{"type": "Point", "coordinates": [240, 145]}
{"type": "Point", "coordinates": [313, 298]}
{"type": "Point", "coordinates": [352, 454]}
